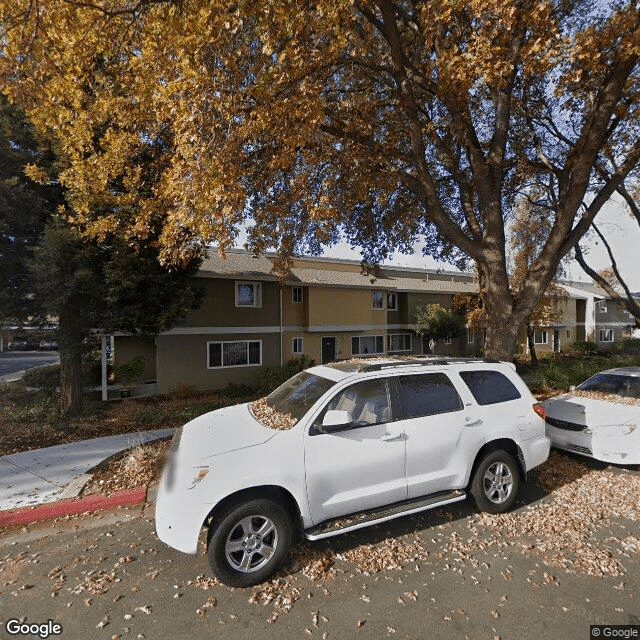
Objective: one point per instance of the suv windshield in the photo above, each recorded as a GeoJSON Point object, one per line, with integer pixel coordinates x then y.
{"type": "Point", "coordinates": [624, 386]}
{"type": "Point", "coordinates": [297, 395]}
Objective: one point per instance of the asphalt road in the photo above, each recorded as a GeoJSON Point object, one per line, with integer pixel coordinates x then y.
{"type": "Point", "coordinates": [14, 361]}
{"type": "Point", "coordinates": [108, 576]}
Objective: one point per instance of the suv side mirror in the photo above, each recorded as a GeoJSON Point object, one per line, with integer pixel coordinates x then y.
{"type": "Point", "coordinates": [335, 420]}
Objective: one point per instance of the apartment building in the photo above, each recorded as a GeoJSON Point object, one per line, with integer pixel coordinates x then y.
{"type": "Point", "coordinates": [327, 310]}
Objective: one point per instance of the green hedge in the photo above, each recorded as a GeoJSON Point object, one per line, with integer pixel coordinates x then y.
{"type": "Point", "coordinates": [271, 378]}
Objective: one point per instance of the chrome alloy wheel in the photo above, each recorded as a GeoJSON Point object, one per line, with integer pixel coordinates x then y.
{"type": "Point", "coordinates": [498, 482]}
{"type": "Point", "coordinates": [251, 543]}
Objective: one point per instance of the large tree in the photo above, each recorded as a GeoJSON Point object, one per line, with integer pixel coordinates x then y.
{"type": "Point", "coordinates": [390, 120]}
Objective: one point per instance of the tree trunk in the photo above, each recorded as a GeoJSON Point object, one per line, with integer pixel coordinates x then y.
{"type": "Point", "coordinates": [532, 346]}
{"type": "Point", "coordinates": [70, 340]}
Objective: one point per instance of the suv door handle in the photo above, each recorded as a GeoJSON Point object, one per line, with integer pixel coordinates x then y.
{"type": "Point", "coordinates": [475, 423]}
{"type": "Point", "coordinates": [390, 437]}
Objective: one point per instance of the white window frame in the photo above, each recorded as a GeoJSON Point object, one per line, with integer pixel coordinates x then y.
{"type": "Point", "coordinates": [383, 296]}
{"type": "Point", "coordinates": [604, 332]}
{"type": "Point", "coordinates": [293, 295]}
{"type": "Point", "coordinates": [233, 366]}
{"type": "Point", "coordinates": [543, 334]}
{"type": "Point", "coordinates": [447, 340]}
{"type": "Point", "coordinates": [390, 350]}
{"type": "Point", "coordinates": [568, 334]}
{"type": "Point", "coordinates": [257, 294]}
{"type": "Point", "coordinates": [293, 346]}
{"type": "Point", "coordinates": [471, 337]}
{"type": "Point", "coordinates": [360, 352]}
{"type": "Point", "coordinates": [395, 296]}
{"type": "Point", "coordinates": [602, 306]}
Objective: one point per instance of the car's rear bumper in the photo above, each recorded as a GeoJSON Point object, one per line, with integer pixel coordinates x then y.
{"type": "Point", "coordinates": [535, 451]}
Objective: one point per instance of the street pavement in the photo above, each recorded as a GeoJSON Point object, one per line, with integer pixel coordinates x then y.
{"type": "Point", "coordinates": [108, 576]}
{"type": "Point", "coordinates": [13, 364]}
{"type": "Point", "coordinates": [39, 476]}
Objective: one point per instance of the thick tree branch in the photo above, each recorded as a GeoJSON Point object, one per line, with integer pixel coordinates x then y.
{"type": "Point", "coordinates": [629, 302]}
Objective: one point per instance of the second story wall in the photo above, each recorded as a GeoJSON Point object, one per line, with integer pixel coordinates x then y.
{"type": "Point", "coordinates": [343, 306]}
{"type": "Point", "coordinates": [219, 308]}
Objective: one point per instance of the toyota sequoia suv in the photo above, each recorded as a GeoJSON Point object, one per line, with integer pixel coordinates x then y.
{"type": "Point", "coordinates": [344, 446]}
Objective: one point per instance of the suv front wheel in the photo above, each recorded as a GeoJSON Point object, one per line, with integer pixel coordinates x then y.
{"type": "Point", "coordinates": [496, 482]}
{"type": "Point", "coordinates": [250, 542]}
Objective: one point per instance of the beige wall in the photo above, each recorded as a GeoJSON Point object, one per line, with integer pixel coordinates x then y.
{"type": "Point", "coordinates": [333, 306]}
{"type": "Point", "coordinates": [182, 360]}
{"type": "Point", "coordinates": [126, 348]}
{"type": "Point", "coordinates": [219, 309]}
{"type": "Point", "coordinates": [294, 313]}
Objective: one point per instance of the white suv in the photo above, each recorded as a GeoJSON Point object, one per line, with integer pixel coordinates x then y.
{"type": "Point", "coordinates": [343, 446]}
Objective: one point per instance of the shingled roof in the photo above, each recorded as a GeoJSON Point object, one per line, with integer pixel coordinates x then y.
{"type": "Point", "coordinates": [243, 265]}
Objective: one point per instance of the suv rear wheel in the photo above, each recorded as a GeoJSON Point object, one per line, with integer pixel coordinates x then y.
{"type": "Point", "coordinates": [496, 482]}
{"type": "Point", "coordinates": [250, 541]}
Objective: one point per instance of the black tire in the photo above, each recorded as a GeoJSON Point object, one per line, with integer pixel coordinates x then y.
{"type": "Point", "coordinates": [495, 498]}
{"type": "Point", "coordinates": [230, 528]}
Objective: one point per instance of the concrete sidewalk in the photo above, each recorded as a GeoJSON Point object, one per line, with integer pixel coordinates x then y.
{"type": "Point", "coordinates": [45, 475]}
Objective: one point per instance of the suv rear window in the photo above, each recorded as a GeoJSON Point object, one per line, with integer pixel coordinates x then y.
{"type": "Point", "coordinates": [490, 387]}
{"type": "Point", "coordinates": [428, 394]}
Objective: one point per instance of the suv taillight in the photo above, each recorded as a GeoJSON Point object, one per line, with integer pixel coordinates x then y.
{"type": "Point", "coordinates": [539, 409]}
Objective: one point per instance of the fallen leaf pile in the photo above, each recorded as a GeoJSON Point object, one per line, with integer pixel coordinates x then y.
{"type": "Point", "coordinates": [140, 466]}
{"type": "Point", "coordinates": [563, 529]}
{"type": "Point", "coordinates": [391, 553]}
{"type": "Point", "coordinates": [606, 397]}
{"type": "Point", "coordinates": [271, 417]}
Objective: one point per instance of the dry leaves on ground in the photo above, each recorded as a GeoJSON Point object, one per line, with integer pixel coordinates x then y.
{"type": "Point", "coordinates": [606, 397]}
{"type": "Point", "coordinates": [139, 466]}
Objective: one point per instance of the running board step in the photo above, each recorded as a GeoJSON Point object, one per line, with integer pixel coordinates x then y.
{"type": "Point", "coordinates": [361, 519]}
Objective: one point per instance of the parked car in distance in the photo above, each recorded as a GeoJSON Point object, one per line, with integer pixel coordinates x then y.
{"type": "Point", "coordinates": [600, 418]}
{"type": "Point", "coordinates": [18, 345]}
{"type": "Point", "coordinates": [48, 344]}
{"type": "Point", "coordinates": [343, 446]}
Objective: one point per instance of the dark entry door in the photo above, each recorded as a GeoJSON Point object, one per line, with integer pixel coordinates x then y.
{"type": "Point", "coordinates": [328, 350]}
{"type": "Point", "coordinates": [556, 340]}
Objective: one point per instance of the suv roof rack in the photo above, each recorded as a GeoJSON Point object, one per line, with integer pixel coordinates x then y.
{"type": "Point", "coordinates": [417, 361]}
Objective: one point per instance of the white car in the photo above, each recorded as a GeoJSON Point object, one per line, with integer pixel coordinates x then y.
{"type": "Point", "coordinates": [600, 418]}
{"type": "Point", "coordinates": [344, 446]}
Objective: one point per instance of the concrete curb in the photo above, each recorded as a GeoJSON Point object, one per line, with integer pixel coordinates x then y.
{"type": "Point", "coordinates": [96, 502]}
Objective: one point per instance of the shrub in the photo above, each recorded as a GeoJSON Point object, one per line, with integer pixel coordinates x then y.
{"type": "Point", "coordinates": [237, 391]}
{"type": "Point", "coordinates": [627, 346]}
{"type": "Point", "coordinates": [130, 371]}
{"type": "Point", "coordinates": [271, 378]}
{"type": "Point", "coordinates": [585, 347]}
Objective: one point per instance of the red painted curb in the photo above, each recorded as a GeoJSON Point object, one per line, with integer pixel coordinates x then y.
{"type": "Point", "coordinates": [26, 515]}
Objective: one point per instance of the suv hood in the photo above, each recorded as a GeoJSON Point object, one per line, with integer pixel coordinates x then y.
{"type": "Point", "coordinates": [221, 431]}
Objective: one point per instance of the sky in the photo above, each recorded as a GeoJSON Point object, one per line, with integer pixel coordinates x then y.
{"type": "Point", "coordinates": [615, 222]}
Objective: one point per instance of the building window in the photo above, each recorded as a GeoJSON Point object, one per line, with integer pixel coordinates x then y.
{"type": "Point", "coordinates": [602, 307]}
{"type": "Point", "coordinates": [392, 301]}
{"type": "Point", "coordinates": [606, 335]}
{"type": "Point", "coordinates": [248, 294]}
{"type": "Point", "coordinates": [568, 334]}
{"type": "Point", "coordinates": [399, 342]}
{"type": "Point", "coordinates": [297, 294]}
{"type": "Point", "coordinates": [471, 338]}
{"type": "Point", "coordinates": [447, 340]}
{"type": "Point", "coordinates": [377, 299]}
{"type": "Point", "coordinates": [540, 337]}
{"type": "Point", "coordinates": [240, 353]}
{"type": "Point", "coordinates": [298, 347]}
{"type": "Point", "coordinates": [362, 345]}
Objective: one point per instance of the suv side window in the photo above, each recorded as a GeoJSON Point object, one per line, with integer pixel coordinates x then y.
{"type": "Point", "coordinates": [429, 394]}
{"type": "Point", "coordinates": [490, 387]}
{"type": "Point", "coordinates": [367, 402]}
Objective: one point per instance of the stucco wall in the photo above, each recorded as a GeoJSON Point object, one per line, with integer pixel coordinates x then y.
{"type": "Point", "coordinates": [332, 306]}
{"type": "Point", "coordinates": [219, 309]}
{"type": "Point", "coordinates": [126, 348]}
{"type": "Point", "coordinates": [182, 360]}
